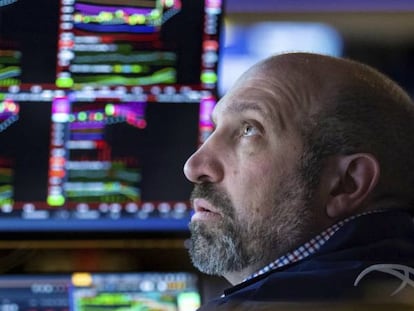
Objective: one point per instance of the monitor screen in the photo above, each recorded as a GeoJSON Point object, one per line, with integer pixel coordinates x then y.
{"type": "Point", "coordinates": [172, 291]}
{"type": "Point", "coordinates": [101, 102]}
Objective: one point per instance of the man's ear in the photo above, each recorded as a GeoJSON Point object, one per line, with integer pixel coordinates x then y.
{"type": "Point", "coordinates": [353, 178]}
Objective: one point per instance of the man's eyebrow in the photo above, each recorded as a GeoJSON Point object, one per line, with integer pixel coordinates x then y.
{"type": "Point", "coordinates": [271, 116]}
{"type": "Point", "coordinates": [246, 106]}
{"type": "Point", "coordinates": [240, 107]}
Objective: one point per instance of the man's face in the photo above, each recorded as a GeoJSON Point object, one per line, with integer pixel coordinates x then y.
{"type": "Point", "coordinates": [250, 200]}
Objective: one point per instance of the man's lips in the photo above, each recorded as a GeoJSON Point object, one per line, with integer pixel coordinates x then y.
{"type": "Point", "coordinates": [204, 210]}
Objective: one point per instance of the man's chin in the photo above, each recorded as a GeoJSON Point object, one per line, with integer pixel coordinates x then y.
{"type": "Point", "coordinates": [208, 228]}
{"type": "Point", "coordinates": [214, 250]}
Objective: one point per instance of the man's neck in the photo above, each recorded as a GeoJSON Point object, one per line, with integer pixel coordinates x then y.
{"type": "Point", "coordinates": [236, 277]}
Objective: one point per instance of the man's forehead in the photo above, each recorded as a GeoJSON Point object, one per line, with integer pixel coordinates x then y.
{"type": "Point", "coordinates": [272, 97]}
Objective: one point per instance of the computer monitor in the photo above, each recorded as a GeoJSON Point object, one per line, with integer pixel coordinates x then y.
{"type": "Point", "coordinates": [101, 102]}
{"type": "Point", "coordinates": [170, 291]}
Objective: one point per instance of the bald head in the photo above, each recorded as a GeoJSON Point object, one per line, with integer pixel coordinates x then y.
{"type": "Point", "coordinates": [313, 77]}
{"type": "Point", "coordinates": [345, 107]}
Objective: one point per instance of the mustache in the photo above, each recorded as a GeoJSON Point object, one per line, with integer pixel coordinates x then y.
{"type": "Point", "coordinates": [216, 197]}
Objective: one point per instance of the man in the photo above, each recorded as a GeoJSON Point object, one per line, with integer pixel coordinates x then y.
{"type": "Point", "coordinates": [304, 190]}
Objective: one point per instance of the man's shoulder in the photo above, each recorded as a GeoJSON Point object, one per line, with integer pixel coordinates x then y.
{"type": "Point", "coordinates": [353, 283]}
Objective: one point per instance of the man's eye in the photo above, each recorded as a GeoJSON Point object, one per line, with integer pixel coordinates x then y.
{"type": "Point", "coordinates": [249, 130]}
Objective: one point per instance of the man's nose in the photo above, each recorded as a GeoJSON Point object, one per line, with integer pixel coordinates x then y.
{"type": "Point", "coordinates": [205, 165]}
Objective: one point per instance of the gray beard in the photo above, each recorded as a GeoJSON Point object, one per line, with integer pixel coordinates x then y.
{"type": "Point", "coordinates": [215, 251]}
{"type": "Point", "coordinates": [232, 245]}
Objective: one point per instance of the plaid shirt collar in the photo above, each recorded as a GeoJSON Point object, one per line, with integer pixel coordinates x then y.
{"type": "Point", "coordinates": [308, 248]}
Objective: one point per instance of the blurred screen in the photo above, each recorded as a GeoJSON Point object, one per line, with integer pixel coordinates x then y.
{"type": "Point", "coordinates": [169, 291]}
{"type": "Point", "coordinates": [101, 102]}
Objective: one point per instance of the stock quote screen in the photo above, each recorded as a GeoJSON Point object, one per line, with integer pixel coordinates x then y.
{"type": "Point", "coordinates": [101, 102]}
{"type": "Point", "coordinates": [166, 291]}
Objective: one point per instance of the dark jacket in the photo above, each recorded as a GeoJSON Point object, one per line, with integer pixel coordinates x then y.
{"type": "Point", "coordinates": [370, 260]}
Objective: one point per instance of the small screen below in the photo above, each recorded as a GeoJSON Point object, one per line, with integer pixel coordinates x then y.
{"type": "Point", "coordinates": [100, 291]}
